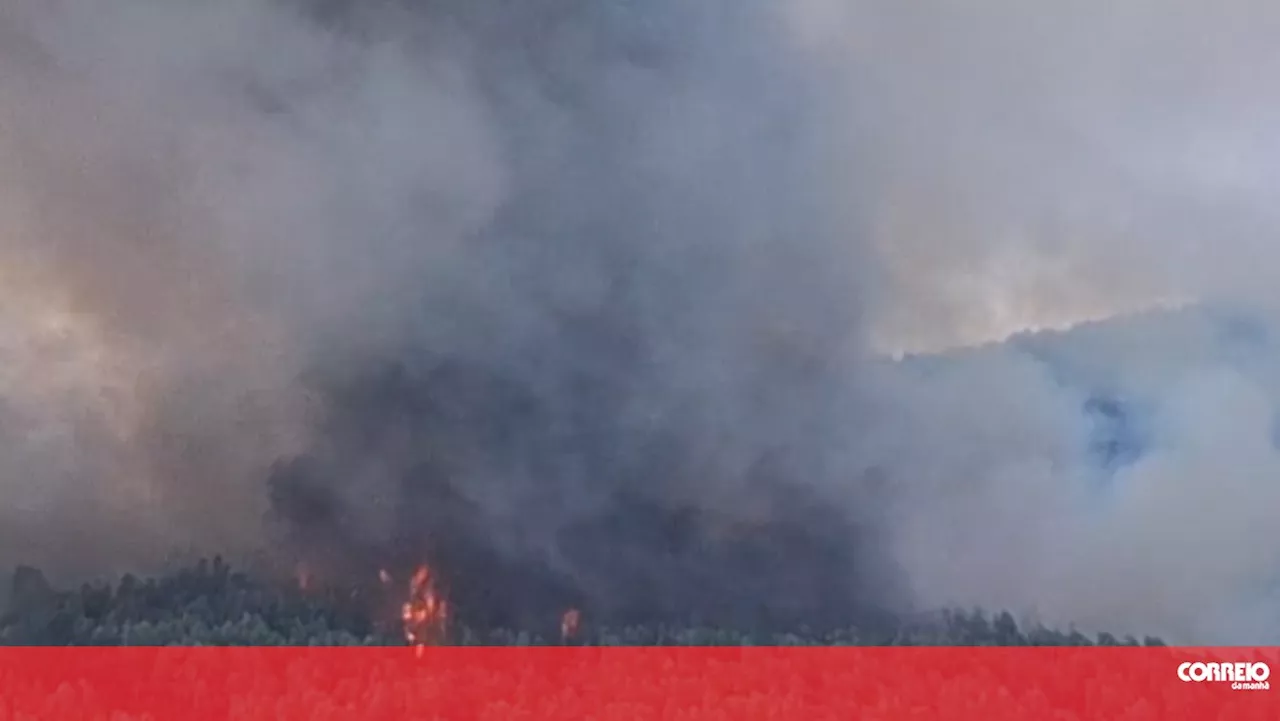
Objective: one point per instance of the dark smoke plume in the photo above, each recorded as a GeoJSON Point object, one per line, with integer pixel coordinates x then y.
{"type": "Point", "coordinates": [556, 296]}
{"type": "Point", "coordinates": [633, 412]}
{"type": "Point", "coordinates": [604, 303]}
{"type": "Point", "coordinates": [529, 505]}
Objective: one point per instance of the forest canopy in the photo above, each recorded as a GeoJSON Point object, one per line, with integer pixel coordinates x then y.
{"type": "Point", "coordinates": [212, 604]}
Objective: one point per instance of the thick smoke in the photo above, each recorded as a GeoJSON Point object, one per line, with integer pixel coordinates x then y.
{"type": "Point", "coordinates": [592, 302]}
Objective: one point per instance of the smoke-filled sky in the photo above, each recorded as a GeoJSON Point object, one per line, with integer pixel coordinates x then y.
{"type": "Point", "coordinates": [730, 214]}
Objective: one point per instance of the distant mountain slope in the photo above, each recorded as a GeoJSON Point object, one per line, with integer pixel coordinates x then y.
{"type": "Point", "coordinates": [1127, 366]}
{"type": "Point", "coordinates": [1129, 466]}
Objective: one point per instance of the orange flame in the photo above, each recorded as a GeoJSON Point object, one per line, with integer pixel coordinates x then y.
{"type": "Point", "coordinates": [425, 614]}
{"type": "Point", "coordinates": [569, 623]}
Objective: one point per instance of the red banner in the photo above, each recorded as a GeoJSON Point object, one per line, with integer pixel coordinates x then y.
{"type": "Point", "coordinates": [734, 684]}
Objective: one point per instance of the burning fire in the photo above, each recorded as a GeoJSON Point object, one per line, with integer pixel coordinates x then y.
{"type": "Point", "coordinates": [425, 614]}
{"type": "Point", "coordinates": [569, 623]}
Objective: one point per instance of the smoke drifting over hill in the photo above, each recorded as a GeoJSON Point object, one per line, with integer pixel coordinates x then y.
{"type": "Point", "coordinates": [591, 300]}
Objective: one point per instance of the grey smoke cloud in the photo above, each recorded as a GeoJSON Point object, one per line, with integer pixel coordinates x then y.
{"type": "Point", "coordinates": [1051, 165]}
{"type": "Point", "coordinates": [716, 217]}
{"type": "Point", "coordinates": [1077, 159]}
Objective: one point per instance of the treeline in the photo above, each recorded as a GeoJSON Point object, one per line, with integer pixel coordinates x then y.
{"type": "Point", "coordinates": [211, 604]}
